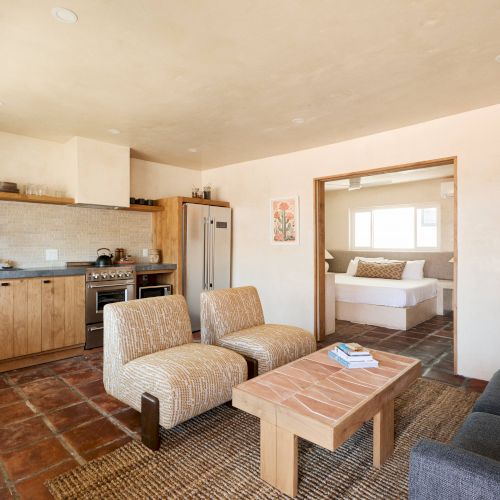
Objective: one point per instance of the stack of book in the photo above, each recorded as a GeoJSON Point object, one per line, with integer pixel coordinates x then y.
{"type": "Point", "coordinates": [352, 355]}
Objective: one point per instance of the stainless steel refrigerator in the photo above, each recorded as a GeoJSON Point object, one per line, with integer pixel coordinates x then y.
{"type": "Point", "coordinates": [206, 253]}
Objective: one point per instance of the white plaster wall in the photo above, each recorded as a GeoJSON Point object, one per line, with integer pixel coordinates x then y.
{"type": "Point", "coordinates": [157, 180]}
{"type": "Point", "coordinates": [338, 204]}
{"type": "Point", "coordinates": [284, 275]}
{"type": "Point", "coordinates": [27, 160]}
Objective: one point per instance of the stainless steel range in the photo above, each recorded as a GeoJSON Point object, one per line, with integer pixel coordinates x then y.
{"type": "Point", "coordinates": [105, 285]}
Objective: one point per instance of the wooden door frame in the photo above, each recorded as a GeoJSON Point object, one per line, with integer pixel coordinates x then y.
{"type": "Point", "coordinates": [319, 236]}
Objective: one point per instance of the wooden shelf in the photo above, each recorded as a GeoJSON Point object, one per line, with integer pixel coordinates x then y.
{"type": "Point", "coordinates": [201, 201]}
{"type": "Point", "coordinates": [29, 198]}
{"type": "Point", "coordinates": [143, 208]}
{"type": "Point", "coordinates": [52, 200]}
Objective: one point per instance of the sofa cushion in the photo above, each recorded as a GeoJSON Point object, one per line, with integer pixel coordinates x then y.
{"type": "Point", "coordinates": [489, 401]}
{"type": "Point", "coordinates": [188, 380]}
{"type": "Point", "coordinates": [271, 345]}
{"type": "Point", "coordinates": [139, 327]}
{"type": "Point", "coordinates": [229, 310]}
{"type": "Point", "coordinates": [480, 433]}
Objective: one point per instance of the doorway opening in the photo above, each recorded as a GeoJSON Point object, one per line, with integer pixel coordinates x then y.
{"type": "Point", "coordinates": [401, 213]}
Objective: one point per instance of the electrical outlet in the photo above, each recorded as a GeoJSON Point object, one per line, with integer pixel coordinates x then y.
{"type": "Point", "coordinates": [51, 254]}
{"type": "Point", "coordinates": [145, 252]}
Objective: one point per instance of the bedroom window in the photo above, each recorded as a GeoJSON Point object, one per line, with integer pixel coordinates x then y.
{"type": "Point", "coordinates": [395, 228]}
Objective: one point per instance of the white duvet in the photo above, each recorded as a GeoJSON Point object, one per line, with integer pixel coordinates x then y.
{"type": "Point", "coordinates": [381, 292]}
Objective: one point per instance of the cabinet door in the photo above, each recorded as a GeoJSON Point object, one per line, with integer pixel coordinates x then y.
{"type": "Point", "coordinates": [63, 312]}
{"type": "Point", "coordinates": [20, 317]}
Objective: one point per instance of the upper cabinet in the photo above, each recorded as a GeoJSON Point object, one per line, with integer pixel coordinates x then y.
{"type": "Point", "coordinates": [101, 172]}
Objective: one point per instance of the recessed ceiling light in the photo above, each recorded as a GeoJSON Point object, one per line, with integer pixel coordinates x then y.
{"type": "Point", "coordinates": [298, 121]}
{"type": "Point", "coordinates": [497, 58]}
{"type": "Point", "coordinates": [64, 15]}
{"type": "Point", "coordinates": [192, 150]}
{"type": "Point", "coordinates": [1, 103]}
{"type": "Point", "coordinates": [114, 131]}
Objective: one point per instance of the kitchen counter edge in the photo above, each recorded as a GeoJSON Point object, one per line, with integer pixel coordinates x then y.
{"type": "Point", "coordinates": [39, 272]}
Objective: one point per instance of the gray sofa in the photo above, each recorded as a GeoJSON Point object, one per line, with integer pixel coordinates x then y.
{"type": "Point", "coordinates": [469, 466]}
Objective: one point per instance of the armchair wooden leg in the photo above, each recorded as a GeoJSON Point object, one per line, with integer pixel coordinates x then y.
{"type": "Point", "coordinates": [253, 367]}
{"type": "Point", "coordinates": [150, 421]}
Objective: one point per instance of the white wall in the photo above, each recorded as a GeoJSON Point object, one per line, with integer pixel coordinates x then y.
{"type": "Point", "coordinates": [27, 160]}
{"type": "Point", "coordinates": [338, 203]}
{"type": "Point", "coordinates": [157, 180]}
{"type": "Point", "coordinates": [284, 275]}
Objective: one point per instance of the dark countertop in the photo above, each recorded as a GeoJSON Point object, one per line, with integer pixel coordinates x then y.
{"type": "Point", "coordinates": [38, 272]}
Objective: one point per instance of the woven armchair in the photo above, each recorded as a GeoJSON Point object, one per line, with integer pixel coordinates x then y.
{"type": "Point", "coordinates": [233, 318]}
{"type": "Point", "coordinates": [151, 364]}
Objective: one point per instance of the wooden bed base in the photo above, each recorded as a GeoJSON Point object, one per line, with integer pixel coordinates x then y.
{"type": "Point", "coordinates": [397, 318]}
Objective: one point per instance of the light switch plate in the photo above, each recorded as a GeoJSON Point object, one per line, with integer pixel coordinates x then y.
{"type": "Point", "coordinates": [51, 254]}
{"type": "Point", "coordinates": [144, 252]}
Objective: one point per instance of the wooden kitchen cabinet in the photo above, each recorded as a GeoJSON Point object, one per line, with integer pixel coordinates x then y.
{"type": "Point", "coordinates": [40, 315]}
{"type": "Point", "coordinates": [20, 317]}
{"type": "Point", "coordinates": [63, 312]}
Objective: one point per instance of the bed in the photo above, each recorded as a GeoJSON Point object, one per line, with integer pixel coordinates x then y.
{"type": "Point", "coordinates": [396, 304]}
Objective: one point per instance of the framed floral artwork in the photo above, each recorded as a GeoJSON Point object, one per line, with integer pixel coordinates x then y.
{"type": "Point", "coordinates": [285, 220]}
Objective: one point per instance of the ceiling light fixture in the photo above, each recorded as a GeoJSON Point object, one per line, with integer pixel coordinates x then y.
{"type": "Point", "coordinates": [298, 121]}
{"type": "Point", "coordinates": [113, 131]}
{"type": "Point", "coordinates": [64, 15]}
{"type": "Point", "coordinates": [497, 58]}
{"type": "Point", "coordinates": [192, 150]}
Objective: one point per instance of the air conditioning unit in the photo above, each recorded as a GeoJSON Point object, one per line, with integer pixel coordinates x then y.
{"type": "Point", "coordinates": [447, 189]}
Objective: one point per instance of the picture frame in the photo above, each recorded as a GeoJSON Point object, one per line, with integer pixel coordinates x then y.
{"type": "Point", "coordinates": [285, 220]}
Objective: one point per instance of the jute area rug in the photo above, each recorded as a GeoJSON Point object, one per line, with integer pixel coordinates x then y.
{"type": "Point", "coordinates": [216, 455]}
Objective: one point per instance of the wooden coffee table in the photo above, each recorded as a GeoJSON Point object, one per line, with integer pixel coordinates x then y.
{"type": "Point", "coordinates": [317, 399]}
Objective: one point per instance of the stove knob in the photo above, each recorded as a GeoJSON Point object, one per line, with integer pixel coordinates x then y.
{"type": "Point", "coordinates": [112, 275]}
{"type": "Point", "coordinates": [119, 274]}
{"type": "Point", "coordinates": [95, 276]}
{"type": "Point", "coordinates": [104, 275]}
{"type": "Point", "coordinates": [128, 274]}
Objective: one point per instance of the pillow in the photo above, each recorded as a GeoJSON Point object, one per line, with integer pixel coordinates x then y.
{"type": "Point", "coordinates": [414, 270]}
{"type": "Point", "coordinates": [353, 264]}
{"type": "Point", "coordinates": [384, 270]}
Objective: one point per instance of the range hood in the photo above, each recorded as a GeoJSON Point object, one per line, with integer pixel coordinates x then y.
{"type": "Point", "coordinates": [100, 173]}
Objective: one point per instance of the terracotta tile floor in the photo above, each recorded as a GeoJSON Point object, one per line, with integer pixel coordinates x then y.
{"type": "Point", "coordinates": [56, 416]}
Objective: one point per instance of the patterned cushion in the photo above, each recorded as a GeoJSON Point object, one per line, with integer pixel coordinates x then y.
{"type": "Point", "coordinates": [188, 380]}
{"type": "Point", "coordinates": [271, 345]}
{"type": "Point", "coordinates": [385, 270]}
{"type": "Point", "coordinates": [229, 310]}
{"type": "Point", "coordinates": [144, 326]}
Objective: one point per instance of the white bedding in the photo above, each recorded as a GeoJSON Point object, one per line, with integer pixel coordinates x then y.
{"type": "Point", "coordinates": [382, 292]}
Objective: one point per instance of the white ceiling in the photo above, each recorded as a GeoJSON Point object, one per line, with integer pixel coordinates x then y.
{"type": "Point", "coordinates": [227, 78]}
{"type": "Point", "coordinates": [419, 174]}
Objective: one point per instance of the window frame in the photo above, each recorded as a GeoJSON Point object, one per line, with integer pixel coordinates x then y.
{"type": "Point", "coordinates": [415, 206]}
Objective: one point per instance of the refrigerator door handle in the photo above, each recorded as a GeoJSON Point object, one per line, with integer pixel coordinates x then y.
{"type": "Point", "coordinates": [205, 254]}
{"type": "Point", "coordinates": [212, 252]}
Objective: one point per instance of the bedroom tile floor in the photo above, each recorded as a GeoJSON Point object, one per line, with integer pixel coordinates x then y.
{"type": "Point", "coordinates": [56, 416]}
{"type": "Point", "coordinates": [431, 342]}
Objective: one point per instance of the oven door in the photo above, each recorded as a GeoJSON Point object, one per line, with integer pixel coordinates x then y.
{"type": "Point", "coordinates": [99, 294]}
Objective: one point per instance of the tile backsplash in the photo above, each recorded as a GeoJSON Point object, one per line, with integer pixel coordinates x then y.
{"type": "Point", "coordinates": [28, 229]}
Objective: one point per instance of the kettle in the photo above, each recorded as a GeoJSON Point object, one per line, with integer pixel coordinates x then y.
{"type": "Point", "coordinates": [104, 259]}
